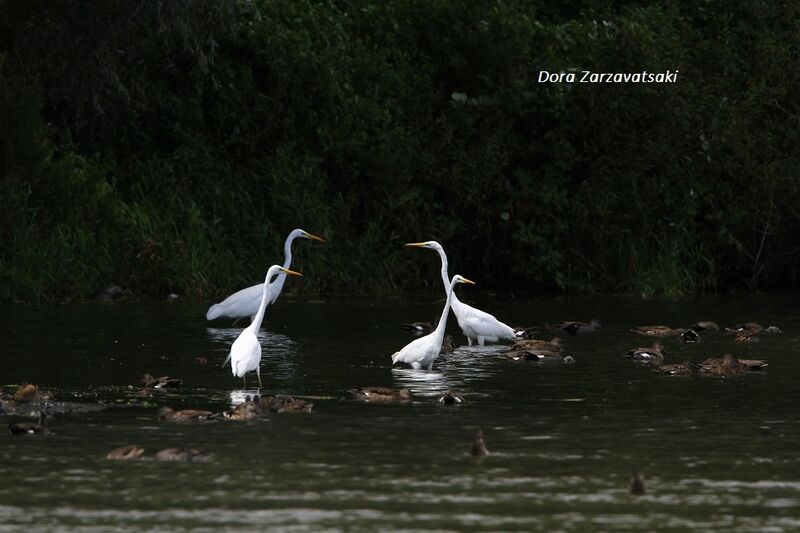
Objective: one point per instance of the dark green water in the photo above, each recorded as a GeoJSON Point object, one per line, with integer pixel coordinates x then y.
{"type": "Point", "coordinates": [715, 453]}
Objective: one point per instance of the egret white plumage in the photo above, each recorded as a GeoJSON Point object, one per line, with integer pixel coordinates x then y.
{"type": "Point", "coordinates": [245, 354]}
{"type": "Point", "coordinates": [244, 303]}
{"type": "Point", "coordinates": [421, 353]}
{"type": "Point", "coordinates": [478, 326]}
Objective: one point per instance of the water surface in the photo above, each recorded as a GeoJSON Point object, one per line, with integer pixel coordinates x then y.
{"type": "Point", "coordinates": [715, 453]}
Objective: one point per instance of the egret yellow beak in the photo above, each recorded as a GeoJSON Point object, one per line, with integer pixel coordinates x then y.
{"type": "Point", "coordinates": [417, 244]}
{"type": "Point", "coordinates": [314, 237]}
{"type": "Point", "coordinates": [468, 281]}
{"type": "Point", "coordinates": [291, 272]}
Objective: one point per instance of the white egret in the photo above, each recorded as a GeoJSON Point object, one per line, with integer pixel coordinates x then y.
{"type": "Point", "coordinates": [421, 353]}
{"type": "Point", "coordinates": [245, 354]}
{"type": "Point", "coordinates": [478, 326]}
{"type": "Point", "coordinates": [244, 303]}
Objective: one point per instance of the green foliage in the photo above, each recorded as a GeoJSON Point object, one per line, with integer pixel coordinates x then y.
{"type": "Point", "coordinates": [171, 146]}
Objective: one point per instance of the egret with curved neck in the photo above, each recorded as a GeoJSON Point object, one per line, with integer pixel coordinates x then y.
{"type": "Point", "coordinates": [478, 326]}
{"type": "Point", "coordinates": [245, 354]}
{"type": "Point", "coordinates": [421, 352]}
{"type": "Point", "coordinates": [244, 303]}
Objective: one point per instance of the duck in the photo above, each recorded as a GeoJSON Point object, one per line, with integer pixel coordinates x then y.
{"type": "Point", "coordinates": [479, 445]}
{"type": "Point", "coordinates": [636, 485]}
{"type": "Point", "coordinates": [451, 397]}
{"type": "Point", "coordinates": [29, 428]}
{"type": "Point", "coordinates": [648, 356]}
{"type": "Point", "coordinates": [689, 336]}
{"type": "Point", "coordinates": [680, 369]}
{"type": "Point", "coordinates": [755, 327]}
{"type": "Point", "coordinates": [285, 404]}
{"type": "Point", "coordinates": [247, 410]}
{"type": "Point", "coordinates": [381, 395]}
{"type": "Point", "coordinates": [746, 364]}
{"type": "Point", "coordinates": [184, 455]}
{"type": "Point", "coordinates": [705, 325]}
{"type": "Point", "coordinates": [658, 331]}
{"type": "Point", "coordinates": [420, 328]}
{"type": "Point", "coordinates": [746, 335]}
{"type": "Point", "coordinates": [164, 382]}
{"type": "Point", "coordinates": [574, 327]}
{"type": "Point", "coordinates": [448, 344]}
{"type": "Point", "coordinates": [725, 366]}
{"type": "Point", "coordinates": [535, 350]}
{"type": "Point", "coordinates": [125, 453]}
{"type": "Point", "coordinates": [28, 392]}
{"type": "Point", "coordinates": [184, 415]}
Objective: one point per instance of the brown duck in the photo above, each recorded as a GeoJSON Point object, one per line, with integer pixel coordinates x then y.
{"type": "Point", "coordinates": [184, 415]}
{"type": "Point", "coordinates": [534, 350]}
{"type": "Point", "coordinates": [381, 395]}
{"type": "Point", "coordinates": [285, 404]}
{"type": "Point", "coordinates": [726, 366]}
{"type": "Point", "coordinates": [184, 455]}
{"type": "Point", "coordinates": [451, 397]}
{"type": "Point", "coordinates": [164, 382]}
{"type": "Point", "coordinates": [746, 364]}
{"type": "Point", "coordinates": [658, 331]}
{"type": "Point", "coordinates": [125, 453]}
{"type": "Point", "coordinates": [681, 369]}
{"type": "Point", "coordinates": [705, 325]}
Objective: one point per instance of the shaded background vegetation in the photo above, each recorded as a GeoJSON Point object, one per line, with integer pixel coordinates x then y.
{"type": "Point", "coordinates": [171, 146]}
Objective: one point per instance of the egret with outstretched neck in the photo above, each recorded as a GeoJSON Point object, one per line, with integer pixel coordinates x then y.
{"type": "Point", "coordinates": [245, 354]}
{"type": "Point", "coordinates": [478, 326]}
{"type": "Point", "coordinates": [244, 303]}
{"type": "Point", "coordinates": [422, 352]}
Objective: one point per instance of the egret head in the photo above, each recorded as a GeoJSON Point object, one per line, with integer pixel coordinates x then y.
{"type": "Point", "coordinates": [290, 272]}
{"type": "Point", "coordinates": [306, 235]}
{"type": "Point", "coordinates": [458, 278]}
{"type": "Point", "coordinates": [432, 245]}
{"type": "Point", "coordinates": [274, 270]}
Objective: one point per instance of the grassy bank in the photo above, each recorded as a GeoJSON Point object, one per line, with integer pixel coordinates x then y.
{"type": "Point", "coordinates": [170, 147]}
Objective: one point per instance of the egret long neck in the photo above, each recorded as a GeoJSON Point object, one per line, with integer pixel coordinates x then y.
{"type": "Point", "coordinates": [277, 284]}
{"type": "Point", "coordinates": [439, 331]}
{"type": "Point", "coordinates": [265, 295]}
{"type": "Point", "coordinates": [446, 280]}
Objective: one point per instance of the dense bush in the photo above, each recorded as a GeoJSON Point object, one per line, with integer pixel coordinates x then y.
{"type": "Point", "coordinates": [170, 146]}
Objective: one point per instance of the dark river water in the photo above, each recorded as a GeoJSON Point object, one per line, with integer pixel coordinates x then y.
{"type": "Point", "coordinates": [715, 453]}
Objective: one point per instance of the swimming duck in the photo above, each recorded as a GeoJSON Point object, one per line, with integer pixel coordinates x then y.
{"type": "Point", "coordinates": [184, 455]}
{"type": "Point", "coordinates": [658, 331]}
{"type": "Point", "coordinates": [746, 335]}
{"type": "Point", "coordinates": [479, 446]}
{"type": "Point", "coordinates": [636, 486]}
{"type": "Point", "coordinates": [285, 404]}
{"type": "Point", "coordinates": [247, 410]}
{"type": "Point", "coordinates": [29, 428]}
{"type": "Point", "coordinates": [164, 382]}
{"type": "Point", "coordinates": [451, 397]}
{"type": "Point", "coordinates": [448, 344]}
{"type": "Point", "coordinates": [574, 327]}
{"type": "Point", "coordinates": [125, 453]}
{"type": "Point", "coordinates": [28, 392]}
{"type": "Point", "coordinates": [746, 364]}
{"type": "Point", "coordinates": [184, 415]}
{"type": "Point", "coordinates": [705, 325]}
{"type": "Point", "coordinates": [689, 335]}
{"type": "Point", "coordinates": [681, 369]}
{"type": "Point", "coordinates": [726, 366]}
{"type": "Point", "coordinates": [535, 350]}
{"type": "Point", "coordinates": [381, 395]}
{"type": "Point", "coordinates": [420, 328]}
{"type": "Point", "coordinates": [758, 328]}
{"type": "Point", "coordinates": [648, 356]}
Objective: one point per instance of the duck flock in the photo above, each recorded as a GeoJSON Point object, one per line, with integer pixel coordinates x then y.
{"type": "Point", "coordinates": [477, 326]}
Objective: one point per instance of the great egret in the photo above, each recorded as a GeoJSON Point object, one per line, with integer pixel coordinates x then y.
{"type": "Point", "coordinates": [245, 354]}
{"type": "Point", "coordinates": [478, 326]}
{"type": "Point", "coordinates": [245, 302]}
{"type": "Point", "coordinates": [421, 352]}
